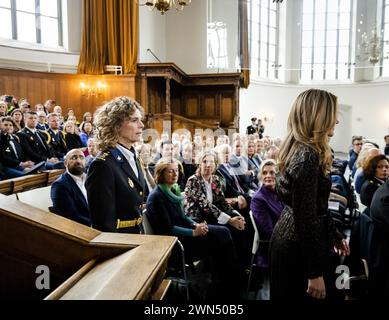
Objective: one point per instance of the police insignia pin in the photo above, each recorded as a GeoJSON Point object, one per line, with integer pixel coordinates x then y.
{"type": "Point", "coordinates": [131, 183]}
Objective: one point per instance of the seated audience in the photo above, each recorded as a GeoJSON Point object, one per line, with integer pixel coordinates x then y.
{"type": "Point", "coordinates": [13, 158]}
{"type": "Point", "coordinates": [266, 207]}
{"type": "Point", "coordinates": [34, 143]}
{"type": "Point", "coordinates": [379, 254]}
{"type": "Point", "coordinates": [42, 124]}
{"type": "Point", "coordinates": [240, 164]}
{"type": "Point", "coordinates": [376, 172]}
{"type": "Point", "coordinates": [58, 110]}
{"type": "Point", "coordinates": [55, 137]}
{"type": "Point", "coordinates": [92, 153]}
{"type": "Point", "coordinates": [72, 139]}
{"type": "Point", "coordinates": [357, 143]}
{"type": "Point", "coordinates": [68, 192]}
{"type": "Point", "coordinates": [204, 198]}
{"type": "Point", "coordinates": [87, 117]}
{"type": "Point", "coordinates": [86, 129]}
{"type": "Point", "coordinates": [367, 152]}
{"type": "Point", "coordinates": [166, 216]}
{"type": "Point", "coordinates": [260, 148]}
{"type": "Point", "coordinates": [49, 105]}
{"type": "Point", "coordinates": [272, 153]}
{"type": "Point", "coordinates": [39, 107]}
{"type": "Point", "coordinates": [24, 106]}
{"type": "Point", "coordinates": [17, 117]}
{"type": "Point", "coordinates": [236, 196]}
{"type": "Point", "coordinates": [144, 152]}
{"type": "Point", "coordinates": [254, 160]}
{"type": "Point", "coordinates": [3, 109]}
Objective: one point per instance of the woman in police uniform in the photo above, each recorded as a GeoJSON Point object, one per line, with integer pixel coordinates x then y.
{"type": "Point", "coordinates": [115, 183]}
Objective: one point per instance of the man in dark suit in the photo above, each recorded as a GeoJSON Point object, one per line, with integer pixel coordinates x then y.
{"type": "Point", "coordinates": [115, 183]}
{"type": "Point", "coordinates": [55, 137]}
{"type": "Point", "coordinates": [68, 192]}
{"type": "Point", "coordinates": [42, 125]}
{"type": "Point", "coordinates": [379, 245]}
{"type": "Point", "coordinates": [34, 143]}
{"type": "Point", "coordinates": [12, 154]}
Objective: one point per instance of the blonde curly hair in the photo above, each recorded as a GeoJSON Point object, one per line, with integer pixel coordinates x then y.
{"type": "Point", "coordinates": [110, 118]}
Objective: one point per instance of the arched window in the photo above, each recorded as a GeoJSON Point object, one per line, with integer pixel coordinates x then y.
{"type": "Point", "coordinates": [326, 40]}
{"type": "Point", "coordinates": [35, 21]}
{"type": "Point", "coordinates": [263, 16]}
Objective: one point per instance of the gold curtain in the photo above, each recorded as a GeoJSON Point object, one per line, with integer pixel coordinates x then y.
{"type": "Point", "coordinates": [110, 35]}
{"type": "Point", "coordinates": [244, 43]}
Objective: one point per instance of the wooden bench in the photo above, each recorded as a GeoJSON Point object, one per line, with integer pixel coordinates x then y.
{"type": "Point", "coordinates": [6, 187]}
{"type": "Point", "coordinates": [46, 178]}
{"type": "Point", "coordinates": [53, 175]}
{"type": "Point", "coordinates": [29, 182]}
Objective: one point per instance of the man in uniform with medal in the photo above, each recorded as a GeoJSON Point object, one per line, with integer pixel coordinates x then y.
{"type": "Point", "coordinates": [115, 182]}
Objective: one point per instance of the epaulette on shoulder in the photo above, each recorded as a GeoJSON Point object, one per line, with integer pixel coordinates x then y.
{"type": "Point", "coordinates": [103, 156]}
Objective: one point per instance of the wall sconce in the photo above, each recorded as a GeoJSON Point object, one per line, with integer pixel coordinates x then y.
{"type": "Point", "coordinates": [268, 118]}
{"type": "Point", "coordinates": [92, 91]}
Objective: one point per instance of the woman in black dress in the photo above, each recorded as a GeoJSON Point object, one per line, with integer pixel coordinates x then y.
{"type": "Point", "coordinates": [305, 234]}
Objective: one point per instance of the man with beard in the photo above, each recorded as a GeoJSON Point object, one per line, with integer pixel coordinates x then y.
{"type": "Point", "coordinates": [68, 193]}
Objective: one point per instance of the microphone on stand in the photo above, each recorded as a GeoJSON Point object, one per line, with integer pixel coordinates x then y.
{"type": "Point", "coordinates": [153, 54]}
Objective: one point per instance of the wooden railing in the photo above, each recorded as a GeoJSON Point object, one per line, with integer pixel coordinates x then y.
{"type": "Point", "coordinates": [34, 181]}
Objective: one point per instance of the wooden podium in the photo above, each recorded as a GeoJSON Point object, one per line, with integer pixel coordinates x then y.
{"type": "Point", "coordinates": [83, 264]}
{"type": "Point", "coordinates": [203, 101]}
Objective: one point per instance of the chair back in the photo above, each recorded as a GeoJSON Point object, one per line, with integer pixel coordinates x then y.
{"type": "Point", "coordinates": [146, 224]}
{"type": "Point", "coordinates": [256, 235]}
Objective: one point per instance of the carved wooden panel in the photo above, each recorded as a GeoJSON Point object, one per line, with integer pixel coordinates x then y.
{"type": "Point", "coordinates": [203, 97]}
{"type": "Point", "coordinates": [192, 106]}
{"type": "Point", "coordinates": [227, 111]}
{"type": "Point", "coordinates": [210, 107]}
{"type": "Point", "coordinates": [176, 105]}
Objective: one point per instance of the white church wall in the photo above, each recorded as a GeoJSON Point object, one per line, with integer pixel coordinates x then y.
{"type": "Point", "coordinates": [369, 105]}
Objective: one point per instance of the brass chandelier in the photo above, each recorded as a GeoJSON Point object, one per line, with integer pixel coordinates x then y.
{"type": "Point", "coordinates": [164, 5]}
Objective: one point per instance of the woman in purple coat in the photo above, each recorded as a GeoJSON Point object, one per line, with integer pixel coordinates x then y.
{"type": "Point", "coordinates": [266, 207]}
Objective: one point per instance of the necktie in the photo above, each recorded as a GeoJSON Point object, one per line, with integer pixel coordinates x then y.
{"type": "Point", "coordinates": [39, 139]}
{"type": "Point", "coordinates": [133, 162]}
{"type": "Point", "coordinates": [12, 144]}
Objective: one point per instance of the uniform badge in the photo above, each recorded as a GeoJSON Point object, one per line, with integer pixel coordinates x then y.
{"type": "Point", "coordinates": [119, 158]}
{"type": "Point", "coordinates": [131, 183]}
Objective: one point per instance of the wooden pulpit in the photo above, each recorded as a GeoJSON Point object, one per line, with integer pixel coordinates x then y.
{"type": "Point", "coordinates": [79, 263]}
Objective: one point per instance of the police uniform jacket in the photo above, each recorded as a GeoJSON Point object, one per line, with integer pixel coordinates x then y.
{"type": "Point", "coordinates": [35, 146]}
{"type": "Point", "coordinates": [12, 156]}
{"type": "Point", "coordinates": [368, 190]}
{"type": "Point", "coordinates": [57, 143]}
{"type": "Point", "coordinates": [252, 129]}
{"type": "Point", "coordinates": [114, 192]}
